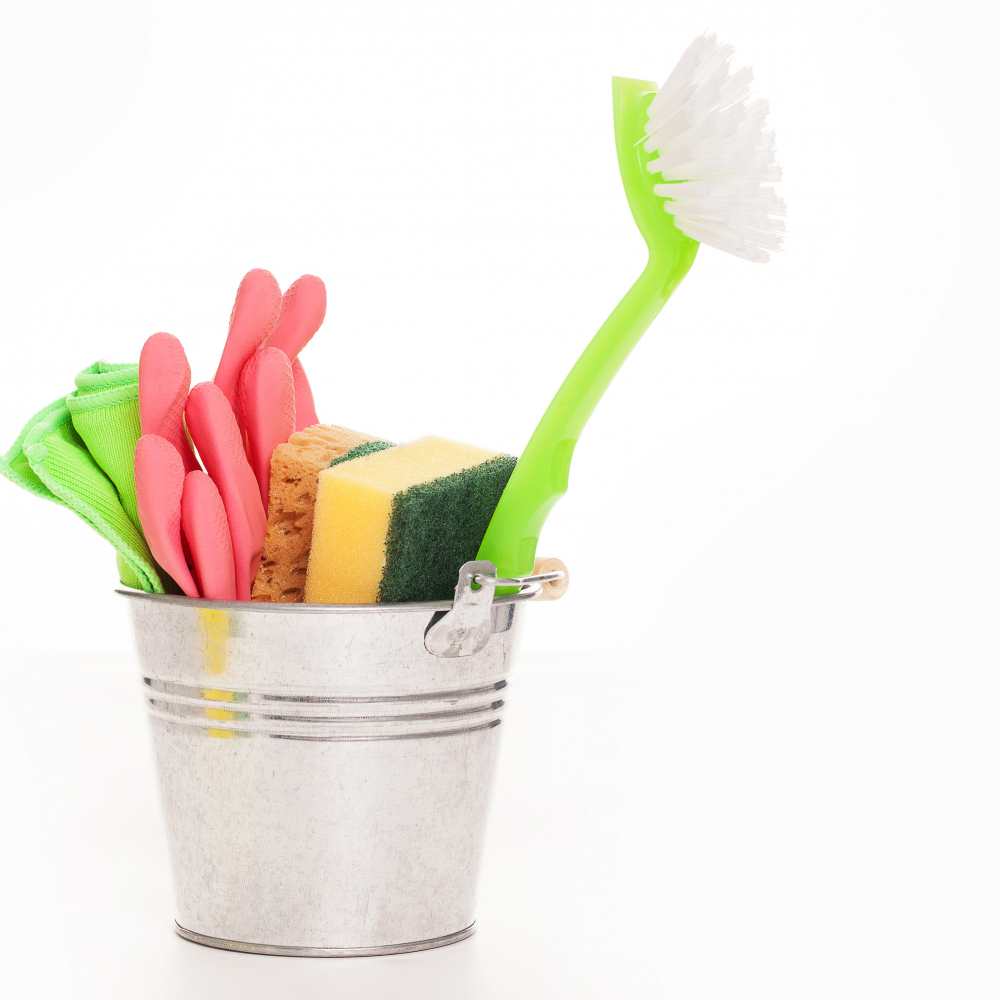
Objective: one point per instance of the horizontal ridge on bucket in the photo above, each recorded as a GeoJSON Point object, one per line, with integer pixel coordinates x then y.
{"type": "Point", "coordinates": [317, 717]}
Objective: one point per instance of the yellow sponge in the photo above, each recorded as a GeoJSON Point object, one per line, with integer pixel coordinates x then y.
{"type": "Point", "coordinates": [396, 525]}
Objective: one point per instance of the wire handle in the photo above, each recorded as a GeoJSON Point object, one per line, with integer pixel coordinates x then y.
{"type": "Point", "coordinates": [517, 581]}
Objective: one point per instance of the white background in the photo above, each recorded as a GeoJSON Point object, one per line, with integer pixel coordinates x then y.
{"type": "Point", "coordinates": [754, 752]}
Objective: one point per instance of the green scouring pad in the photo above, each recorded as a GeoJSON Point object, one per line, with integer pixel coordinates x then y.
{"type": "Point", "coordinates": [360, 450]}
{"type": "Point", "coordinates": [396, 524]}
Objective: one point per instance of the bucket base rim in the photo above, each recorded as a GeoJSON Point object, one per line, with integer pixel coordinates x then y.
{"type": "Point", "coordinates": [302, 952]}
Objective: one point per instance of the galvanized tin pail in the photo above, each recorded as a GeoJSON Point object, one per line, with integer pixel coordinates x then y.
{"type": "Point", "coordinates": [325, 778]}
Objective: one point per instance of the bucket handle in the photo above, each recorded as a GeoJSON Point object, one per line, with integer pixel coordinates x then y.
{"type": "Point", "coordinates": [467, 627]}
{"type": "Point", "coordinates": [518, 581]}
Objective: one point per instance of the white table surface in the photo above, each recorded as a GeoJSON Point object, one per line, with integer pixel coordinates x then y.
{"type": "Point", "coordinates": [693, 830]}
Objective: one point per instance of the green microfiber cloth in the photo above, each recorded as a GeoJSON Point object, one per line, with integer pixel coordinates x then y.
{"type": "Point", "coordinates": [50, 458]}
{"type": "Point", "coordinates": [105, 412]}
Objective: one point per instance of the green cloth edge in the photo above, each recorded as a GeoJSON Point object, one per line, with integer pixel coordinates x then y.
{"type": "Point", "coordinates": [15, 466]}
{"type": "Point", "coordinates": [103, 384]}
{"type": "Point", "coordinates": [23, 465]}
{"type": "Point", "coordinates": [133, 552]}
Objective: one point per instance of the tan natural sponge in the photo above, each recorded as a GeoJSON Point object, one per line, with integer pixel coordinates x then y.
{"type": "Point", "coordinates": [295, 467]}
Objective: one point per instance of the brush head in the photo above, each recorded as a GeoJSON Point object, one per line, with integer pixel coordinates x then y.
{"type": "Point", "coordinates": [716, 158]}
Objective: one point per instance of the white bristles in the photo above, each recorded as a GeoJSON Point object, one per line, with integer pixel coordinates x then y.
{"type": "Point", "coordinates": [714, 154]}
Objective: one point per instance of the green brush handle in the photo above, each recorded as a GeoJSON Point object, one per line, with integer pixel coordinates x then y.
{"type": "Point", "coordinates": [541, 476]}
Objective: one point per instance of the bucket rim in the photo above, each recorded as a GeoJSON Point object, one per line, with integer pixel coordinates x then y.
{"type": "Point", "coordinates": [276, 607]}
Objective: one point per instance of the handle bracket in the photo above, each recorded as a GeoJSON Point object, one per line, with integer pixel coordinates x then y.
{"type": "Point", "coordinates": [467, 627]}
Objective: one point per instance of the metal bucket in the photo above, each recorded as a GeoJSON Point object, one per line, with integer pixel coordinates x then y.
{"type": "Point", "coordinates": [325, 777]}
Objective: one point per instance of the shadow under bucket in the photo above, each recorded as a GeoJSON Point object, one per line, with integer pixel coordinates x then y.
{"type": "Point", "coordinates": [325, 779]}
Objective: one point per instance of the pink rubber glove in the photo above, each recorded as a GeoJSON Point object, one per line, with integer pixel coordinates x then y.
{"type": "Point", "coordinates": [267, 397]}
{"type": "Point", "coordinates": [305, 408]}
{"type": "Point", "coordinates": [164, 380]}
{"type": "Point", "coordinates": [303, 307]}
{"type": "Point", "coordinates": [253, 319]}
{"type": "Point", "coordinates": [204, 523]}
{"type": "Point", "coordinates": [159, 483]}
{"type": "Point", "coordinates": [212, 425]}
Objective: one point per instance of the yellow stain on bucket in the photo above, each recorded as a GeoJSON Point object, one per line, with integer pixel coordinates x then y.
{"type": "Point", "coordinates": [222, 714]}
{"type": "Point", "coordinates": [214, 639]}
{"type": "Point", "coordinates": [214, 626]}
